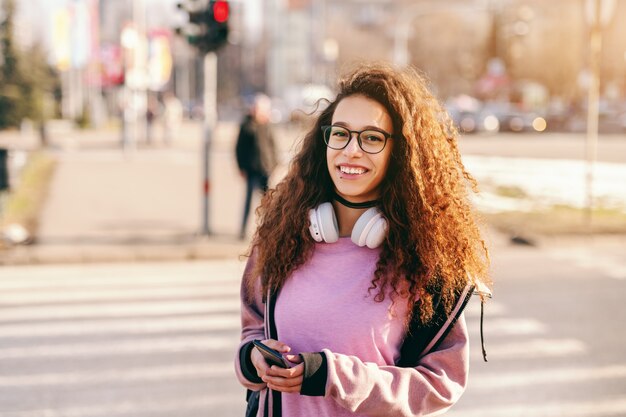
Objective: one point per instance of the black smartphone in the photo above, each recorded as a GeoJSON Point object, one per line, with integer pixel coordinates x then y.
{"type": "Point", "coordinates": [272, 356]}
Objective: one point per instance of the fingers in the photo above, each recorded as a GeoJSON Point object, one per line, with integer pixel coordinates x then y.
{"type": "Point", "coordinates": [284, 380]}
{"type": "Point", "coordinates": [294, 372]}
{"type": "Point", "coordinates": [284, 385]}
{"type": "Point", "coordinates": [277, 345]}
{"type": "Point", "coordinates": [294, 358]}
{"type": "Point", "coordinates": [259, 362]}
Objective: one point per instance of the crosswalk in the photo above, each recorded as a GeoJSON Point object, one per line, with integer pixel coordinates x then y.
{"type": "Point", "coordinates": [157, 340]}
{"type": "Point", "coordinates": [530, 368]}
{"type": "Point", "coordinates": [120, 340]}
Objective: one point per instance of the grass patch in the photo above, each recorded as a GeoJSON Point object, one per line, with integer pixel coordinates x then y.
{"type": "Point", "coordinates": [23, 204]}
{"type": "Point", "coordinates": [510, 191]}
{"type": "Point", "coordinates": [558, 220]}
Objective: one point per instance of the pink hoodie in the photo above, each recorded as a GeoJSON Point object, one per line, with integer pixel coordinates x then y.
{"type": "Point", "coordinates": [325, 307]}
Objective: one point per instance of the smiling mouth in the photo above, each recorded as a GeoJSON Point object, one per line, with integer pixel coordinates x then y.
{"type": "Point", "coordinates": [352, 170]}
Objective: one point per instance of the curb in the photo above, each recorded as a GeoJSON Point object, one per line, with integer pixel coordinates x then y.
{"type": "Point", "coordinates": [106, 253]}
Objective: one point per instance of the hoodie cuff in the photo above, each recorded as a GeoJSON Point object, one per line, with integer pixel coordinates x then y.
{"type": "Point", "coordinates": [247, 368]}
{"type": "Point", "coordinates": [315, 374]}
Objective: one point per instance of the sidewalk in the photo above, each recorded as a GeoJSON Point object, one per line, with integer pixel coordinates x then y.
{"type": "Point", "coordinates": [106, 204]}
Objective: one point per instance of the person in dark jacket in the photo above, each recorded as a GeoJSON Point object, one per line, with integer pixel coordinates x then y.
{"type": "Point", "coordinates": [256, 152]}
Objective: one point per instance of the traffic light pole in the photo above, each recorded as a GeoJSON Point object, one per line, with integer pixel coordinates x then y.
{"type": "Point", "coordinates": [210, 120]}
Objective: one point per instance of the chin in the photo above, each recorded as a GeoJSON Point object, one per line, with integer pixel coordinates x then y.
{"type": "Point", "coordinates": [355, 195]}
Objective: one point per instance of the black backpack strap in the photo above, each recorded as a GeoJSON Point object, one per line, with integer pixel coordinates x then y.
{"type": "Point", "coordinates": [422, 338]}
{"type": "Point", "coordinates": [276, 398]}
{"type": "Point", "coordinates": [252, 397]}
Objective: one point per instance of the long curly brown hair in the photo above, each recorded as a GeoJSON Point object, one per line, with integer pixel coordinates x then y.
{"type": "Point", "coordinates": [433, 243]}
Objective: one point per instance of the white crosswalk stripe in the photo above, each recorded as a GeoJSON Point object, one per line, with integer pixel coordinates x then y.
{"type": "Point", "coordinates": [198, 405]}
{"type": "Point", "coordinates": [608, 407]}
{"type": "Point", "coordinates": [153, 373]}
{"type": "Point", "coordinates": [609, 264]}
{"type": "Point", "coordinates": [142, 325]}
{"type": "Point", "coordinates": [490, 382]}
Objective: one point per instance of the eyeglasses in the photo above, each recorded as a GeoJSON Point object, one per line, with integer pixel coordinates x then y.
{"type": "Point", "coordinates": [370, 141]}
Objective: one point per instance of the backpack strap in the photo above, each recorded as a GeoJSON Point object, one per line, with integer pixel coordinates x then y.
{"type": "Point", "coordinates": [422, 338]}
{"type": "Point", "coordinates": [252, 397]}
{"type": "Point", "coordinates": [273, 333]}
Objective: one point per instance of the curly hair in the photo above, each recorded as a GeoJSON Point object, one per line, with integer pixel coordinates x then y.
{"type": "Point", "coordinates": [433, 242]}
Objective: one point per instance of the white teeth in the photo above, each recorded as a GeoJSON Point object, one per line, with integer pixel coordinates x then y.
{"type": "Point", "coordinates": [351, 170]}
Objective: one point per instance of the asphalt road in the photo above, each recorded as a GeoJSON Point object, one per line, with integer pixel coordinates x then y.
{"type": "Point", "coordinates": [157, 339]}
{"type": "Point", "coordinates": [610, 148]}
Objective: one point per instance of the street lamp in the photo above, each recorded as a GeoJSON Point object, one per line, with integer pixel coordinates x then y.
{"type": "Point", "coordinates": [598, 13]}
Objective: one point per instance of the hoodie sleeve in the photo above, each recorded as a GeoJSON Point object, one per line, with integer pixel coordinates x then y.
{"type": "Point", "coordinates": [252, 327]}
{"type": "Point", "coordinates": [426, 390]}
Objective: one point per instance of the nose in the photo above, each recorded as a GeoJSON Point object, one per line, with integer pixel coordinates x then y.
{"type": "Point", "coordinates": [353, 145]}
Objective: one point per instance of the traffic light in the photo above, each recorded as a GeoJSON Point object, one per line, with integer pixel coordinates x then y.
{"type": "Point", "coordinates": [208, 24]}
{"type": "Point", "coordinates": [218, 26]}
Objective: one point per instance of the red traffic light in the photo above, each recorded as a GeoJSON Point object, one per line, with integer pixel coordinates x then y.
{"type": "Point", "coordinates": [220, 11]}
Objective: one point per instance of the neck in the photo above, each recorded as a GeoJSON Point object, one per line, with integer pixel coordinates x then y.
{"type": "Point", "coordinates": [346, 217]}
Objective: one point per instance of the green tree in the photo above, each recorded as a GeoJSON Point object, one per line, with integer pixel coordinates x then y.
{"type": "Point", "coordinates": [25, 78]}
{"type": "Point", "coordinates": [9, 91]}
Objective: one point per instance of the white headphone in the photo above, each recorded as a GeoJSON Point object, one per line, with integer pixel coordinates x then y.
{"type": "Point", "coordinates": [369, 230]}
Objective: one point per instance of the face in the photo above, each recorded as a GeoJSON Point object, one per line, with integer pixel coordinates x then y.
{"type": "Point", "coordinates": [356, 174]}
{"type": "Point", "coordinates": [262, 109]}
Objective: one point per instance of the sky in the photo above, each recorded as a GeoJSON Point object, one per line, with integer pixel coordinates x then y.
{"type": "Point", "coordinates": [35, 15]}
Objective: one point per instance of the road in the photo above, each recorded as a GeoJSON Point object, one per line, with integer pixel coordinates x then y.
{"type": "Point", "coordinates": [157, 339]}
{"type": "Point", "coordinates": [572, 146]}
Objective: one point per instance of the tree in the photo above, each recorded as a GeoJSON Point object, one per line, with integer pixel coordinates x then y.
{"type": "Point", "coordinates": [9, 92]}
{"type": "Point", "coordinates": [25, 78]}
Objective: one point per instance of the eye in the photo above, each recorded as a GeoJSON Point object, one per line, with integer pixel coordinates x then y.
{"type": "Point", "coordinates": [338, 132]}
{"type": "Point", "coordinates": [372, 136]}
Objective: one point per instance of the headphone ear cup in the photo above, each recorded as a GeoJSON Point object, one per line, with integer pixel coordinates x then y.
{"type": "Point", "coordinates": [324, 223]}
{"type": "Point", "coordinates": [314, 227]}
{"type": "Point", "coordinates": [370, 229]}
{"type": "Point", "coordinates": [377, 233]}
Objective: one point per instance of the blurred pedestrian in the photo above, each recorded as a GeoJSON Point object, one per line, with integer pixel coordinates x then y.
{"type": "Point", "coordinates": [172, 116]}
{"type": "Point", "coordinates": [153, 112]}
{"type": "Point", "coordinates": [370, 234]}
{"type": "Point", "coordinates": [256, 152]}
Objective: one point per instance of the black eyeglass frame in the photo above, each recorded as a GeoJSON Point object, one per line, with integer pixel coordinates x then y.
{"type": "Point", "coordinates": [386, 135]}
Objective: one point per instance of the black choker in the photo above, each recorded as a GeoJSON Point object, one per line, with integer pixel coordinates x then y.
{"type": "Point", "coordinates": [365, 204]}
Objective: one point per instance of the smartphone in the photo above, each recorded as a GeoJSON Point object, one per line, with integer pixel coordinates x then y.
{"type": "Point", "coordinates": [272, 356]}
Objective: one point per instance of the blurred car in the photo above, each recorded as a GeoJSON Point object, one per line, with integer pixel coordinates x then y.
{"type": "Point", "coordinates": [513, 119]}
{"type": "Point", "coordinates": [611, 118]}
{"type": "Point", "coordinates": [470, 116]}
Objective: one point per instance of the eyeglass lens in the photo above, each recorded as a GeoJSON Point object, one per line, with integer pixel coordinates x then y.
{"type": "Point", "coordinates": [370, 141]}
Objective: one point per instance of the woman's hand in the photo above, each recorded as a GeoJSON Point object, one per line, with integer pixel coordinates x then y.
{"type": "Point", "coordinates": [276, 378]}
{"type": "Point", "coordinates": [286, 380]}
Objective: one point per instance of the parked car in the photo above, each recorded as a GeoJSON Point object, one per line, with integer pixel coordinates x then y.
{"type": "Point", "coordinates": [470, 115]}
{"type": "Point", "coordinates": [513, 119]}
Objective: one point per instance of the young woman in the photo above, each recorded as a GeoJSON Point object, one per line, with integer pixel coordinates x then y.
{"type": "Point", "coordinates": [369, 227]}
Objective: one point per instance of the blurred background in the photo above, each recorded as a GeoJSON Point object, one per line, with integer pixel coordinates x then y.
{"type": "Point", "coordinates": [121, 199]}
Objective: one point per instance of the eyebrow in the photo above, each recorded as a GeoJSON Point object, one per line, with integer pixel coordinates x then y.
{"type": "Point", "coordinates": [368, 127]}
